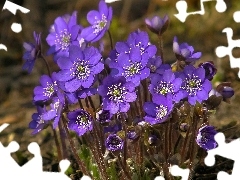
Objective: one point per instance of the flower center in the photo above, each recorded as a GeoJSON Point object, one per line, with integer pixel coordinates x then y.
{"type": "Point", "coordinates": [63, 39]}
{"type": "Point", "coordinates": [132, 70]}
{"type": "Point", "coordinates": [49, 90]}
{"type": "Point", "coordinates": [100, 24]}
{"type": "Point", "coordinates": [114, 143]}
{"type": "Point", "coordinates": [192, 85]}
{"type": "Point", "coordinates": [163, 88]}
{"type": "Point", "coordinates": [83, 120]}
{"type": "Point", "coordinates": [80, 69]}
{"type": "Point", "coordinates": [161, 112]}
{"type": "Point", "coordinates": [116, 92]}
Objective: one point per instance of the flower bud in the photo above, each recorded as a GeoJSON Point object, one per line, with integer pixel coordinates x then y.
{"type": "Point", "coordinates": [153, 140]}
{"type": "Point", "coordinates": [227, 92]}
{"type": "Point", "coordinates": [133, 136]}
{"type": "Point", "coordinates": [184, 127]}
{"type": "Point", "coordinates": [103, 117]}
{"type": "Point", "coordinates": [210, 69]}
{"type": "Point", "coordinates": [157, 25]}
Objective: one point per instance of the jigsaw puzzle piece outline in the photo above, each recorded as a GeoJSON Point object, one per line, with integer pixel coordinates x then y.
{"type": "Point", "coordinates": [222, 51]}
{"type": "Point", "coordinates": [175, 170]}
{"type": "Point", "coordinates": [182, 7]}
{"type": "Point", "coordinates": [15, 27]}
{"type": "Point", "coordinates": [227, 150]}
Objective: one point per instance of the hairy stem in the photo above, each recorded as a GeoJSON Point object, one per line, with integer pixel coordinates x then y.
{"type": "Point", "coordinates": [57, 144]}
{"type": "Point", "coordinates": [47, 65]}
{"type": "Point", "coordinates": [74, 150]}
{"type": "Point", "coordinates": [63, 142]}
{"type": "Point", "coordinates": [110, 37]}
{"type": "Point", "coordinates": [126, 174]}
{"type": "Point", "coordinates": [161, 47]}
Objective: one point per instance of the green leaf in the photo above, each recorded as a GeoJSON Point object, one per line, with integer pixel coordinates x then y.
{"type": "Point", "coordinates": [111, 170]}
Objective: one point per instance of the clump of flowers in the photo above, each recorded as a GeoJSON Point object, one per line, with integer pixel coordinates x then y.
{"type": "Point", "coordinates": [131, 111]}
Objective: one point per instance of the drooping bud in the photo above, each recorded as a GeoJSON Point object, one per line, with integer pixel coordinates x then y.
{"type": "Point", "coordinates": [225, 90]}
{"type": "Point", "coordinates": [210, 69]}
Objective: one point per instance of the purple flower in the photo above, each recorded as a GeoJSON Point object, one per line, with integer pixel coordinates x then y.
{"type": "Point", "coordinates": [100, 22]}
{"type": "Point", "coordinates": [205, 138]}
{"type": "Point", "coordinates": [47, 89]}
{"type": "Point", "coordinates": [103, 116]}
{"type": "Point", "coordinates": [137, 39]}
{"type": "Point", "coordinates": [79, 69]}
{"type": "Point", "coordinates": [195, 86]}
{"type": "Point", "coordinates": [166, 85]}
{"type": "Point", "coordinates": [80, 121]}
{"type": "Point", "coordinates": [63, 34]}
{"type": "Point", "coordinates": [184, 52]}
{"type": "Point", "coordinates": [117, 93]}
{"type": "Point", "coordinates": [83, 93]}
{"type": "Point", "coordinates": [159, 110]}
{"type": "Point", "coordinates": [156, 67]}
{"type": "Point", "coordinates": [33, 51]}
{"type": "Point", "coordinates": [210, 69]}
{"type": "Point", "coordinates": [114, 143]}
{"type": "Point", "coordinates": [112, 56]}
{"type": "Point", "coordinates": [157, 25]}
{"type": "Point", "coordinates": [55, 112]}
{"type": "Point", "coordinates": [38, 123]}
{"type": "Point", "coordinates": [132, 66]}
{"type": "Point", "coordinates": [112, 128]}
